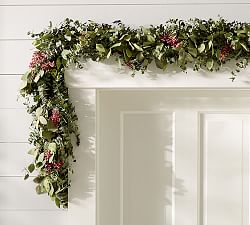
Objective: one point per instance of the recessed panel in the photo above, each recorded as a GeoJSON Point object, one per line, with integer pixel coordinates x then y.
{"type": "Point", "coordinates": [225, 169]}
{"type": "Point", "coordinates": [146, 168]}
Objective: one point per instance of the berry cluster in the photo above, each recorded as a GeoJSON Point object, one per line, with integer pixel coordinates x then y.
{"type": "Point", "coordinates": [40, 59]}
{"type": "Point", "coordinates": [129, 64]}
{"type": "Point", "coordinates": [225, 51]}
{"type": "Point", "coordinates": [47, 155]}
{"type": "Point", "coordinates": [171, 40]}
{"type": "Point", "coordinates": [53, 165]}
{"type": "Point", "coordinates": [55, 117]}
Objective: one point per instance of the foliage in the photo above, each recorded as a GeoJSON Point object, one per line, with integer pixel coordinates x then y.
{"type": "Point", "coordinates": [200, 44]}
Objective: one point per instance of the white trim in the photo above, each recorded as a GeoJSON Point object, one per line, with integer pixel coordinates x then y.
{"type": "Point", "coordinates": [97, 206]}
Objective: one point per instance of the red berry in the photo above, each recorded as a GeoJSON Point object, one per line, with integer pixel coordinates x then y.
{"type": "Point", "coordinates": [47, 155]}
{"type": "Point", "coordinates": [225, 51]}
{"type": "Point", "coordinates": [171, 40]}
{"type": "Point", "coordinates": [55, 117]}
{"type": "Point", "coordinates": [41, 59]}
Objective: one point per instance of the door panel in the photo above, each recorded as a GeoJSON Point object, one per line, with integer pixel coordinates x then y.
{"type": "Point", "coordinates": [167, 157]}
{"type": "Point", "coordinates": [146, 148]}
{"type": "Point", "coordinates": [225, 168]}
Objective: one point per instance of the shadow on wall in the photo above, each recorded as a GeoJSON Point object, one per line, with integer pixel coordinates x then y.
{"type": "Point", "coordinates": [108, 74]}
{"type": "Point", "coordinates": [83, 178]}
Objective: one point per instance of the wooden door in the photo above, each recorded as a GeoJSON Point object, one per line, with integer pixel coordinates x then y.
{"type": "Point", "coordinates": [173, 157]}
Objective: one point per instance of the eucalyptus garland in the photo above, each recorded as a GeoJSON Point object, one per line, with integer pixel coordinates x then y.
{"type": "Point", "coordinates": [200, 44]}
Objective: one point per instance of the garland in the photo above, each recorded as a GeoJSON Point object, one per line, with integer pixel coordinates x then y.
{"type": "Point", "coordinates": [200, 44]}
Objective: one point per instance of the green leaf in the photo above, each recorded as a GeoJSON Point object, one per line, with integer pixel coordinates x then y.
{"type": "Point", "coordinates": [51, 126]}
{"type": "Point", "coordinates": [244, 46]}
{"type": "Point", "coordinates": [47, 135]}
{"type": "Point", "coordinates": [161, 64]}
{"type": "Point", "coordinates": [25, 76]}
{"type": "Point", "coordinates": [31, 168]}
{"type": "Point", "coordinates": [138, 47]}
{"type": "Point", "coordinates": [42, 120]}
{"type": "Point", "coordinates": [116, 45]}
{"type": "Point", "coordinates": [51, 192]}
{"type": "Point", "coordinates": [150, 38]}
{"type": "Point", "coordinates": [218, 53]}
{"type": "Point", "coordinates": [67, 36]}
{"type": "Point", "coordinates": [38, 179]}
{"type": "Point", "coordinates": [58, 63]}
{"type": "Point", "coordinates": [52, 147]}
{"type": "Point", "coordinates": [57, 201]}
{"type": "Point", "coordinates": [210, 44]}
{"type": "Point", "coordinates": [109, 53]}
{"type": "Point", "coordinates": [125, 37]}
{"type": "Point", "coordinates": [41, 157]}
{"type": "Point", "coordinates": [39, 165]}
{"type": "Point", "coordinates": [210, 64]}
{"type": "Point", "coordinates": [33, 151]}
{"type": "Point", "coordinates": [202, 48]}
{"type": "Point", "coordinates": [202, 27]}
{"type": "Point", "coordinates": [65, 53]}
{"type": "Point", "coordinates": [40, 189]}
{"type": "Point", "coordinates": [38, 76]}
{"type": "Point", "coordinates": [128, 53]}
{"type": "Point", "coordinates": [100, 48]}
{"type": "Point", "coordinates": [132, 46]}
{"type": "Point", "coordinates": [23, 84]}
{"type": "Point", "coordinates": [192, 51]}
{"type": "Point", "coordinates": [46, 184]}
{"type": "Point", "coordinates": [189, 57]}
{"type": "Point", "coordinates": [26, 176]}
{"type": "Point", "coordinates": [140, 57]}
{"type": "Point", "coordinates": [39, 112]}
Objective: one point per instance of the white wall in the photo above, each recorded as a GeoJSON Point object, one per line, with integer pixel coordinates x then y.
{"type": "Point", "coordinates": [19, 204]}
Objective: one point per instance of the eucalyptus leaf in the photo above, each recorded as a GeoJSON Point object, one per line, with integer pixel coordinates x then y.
{"type": "Point", "coordinates": [116, 45]}
{"type": "Point", "coordinates": [47, 135]}
{"type": "Point", "coordinates": [25, 76]}
{"type": "Point", "coordinates": [150, 38]}
{"type": "Point", "coordinates": [193, 51]}
{"type": "Point", "coordinates": [140, 57]}
{"type": "Point", "coordinates": [65, 53]}
{"type": "Point", "coordinates": [41, 157]}
{"type": "Point", "coordinates": [42, 120]}
{"type": "Point", "coordinates": [52, 147]}
{"type": "Point", "coordinates": [202, 48]}
{"type": "Point", "coordinates": [26, 176]}
{"type": "Point", "coordinates": [244, 46]}
{"type": "Point", "coordinates": [210, 44]}
{"type": "Point", "coordinates": [46, 184]}
{"type": "Point", "coordinates": [51, 126]}
{"type": "Point", "coordinates": [128, 53]}
{"type": "Point", "coordinates": [57, 201]}
{"type": "Point", "coordinates": [23, 84]}
{"type": "Point", "coordinates": [100, 48]}
{"type": "Point", "coordinates": [161, 64]}
{"type": "Point", "coordinates": [38, 179]}
{"type": "Point", "coordinates": [210, 64]}
{"type": "Point", "coordinates": [67, 37]}
{"type": "Point", "coordinates": [138, 47]}
{"type": "Point", "coordinates": [31, 168]}
{"type": "Point", "coordinates": [39, 112]}
{"type": "Point", "coordinates": [109, 54]}
{"type": "Point", "coordinates": [33, 151]}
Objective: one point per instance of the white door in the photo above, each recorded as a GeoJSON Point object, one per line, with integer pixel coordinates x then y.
{"type": "Point", "coordinates": [173, 157]}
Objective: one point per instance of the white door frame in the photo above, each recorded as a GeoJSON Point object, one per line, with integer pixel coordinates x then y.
{"type": "Point", "coordinates": [83, 88]}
